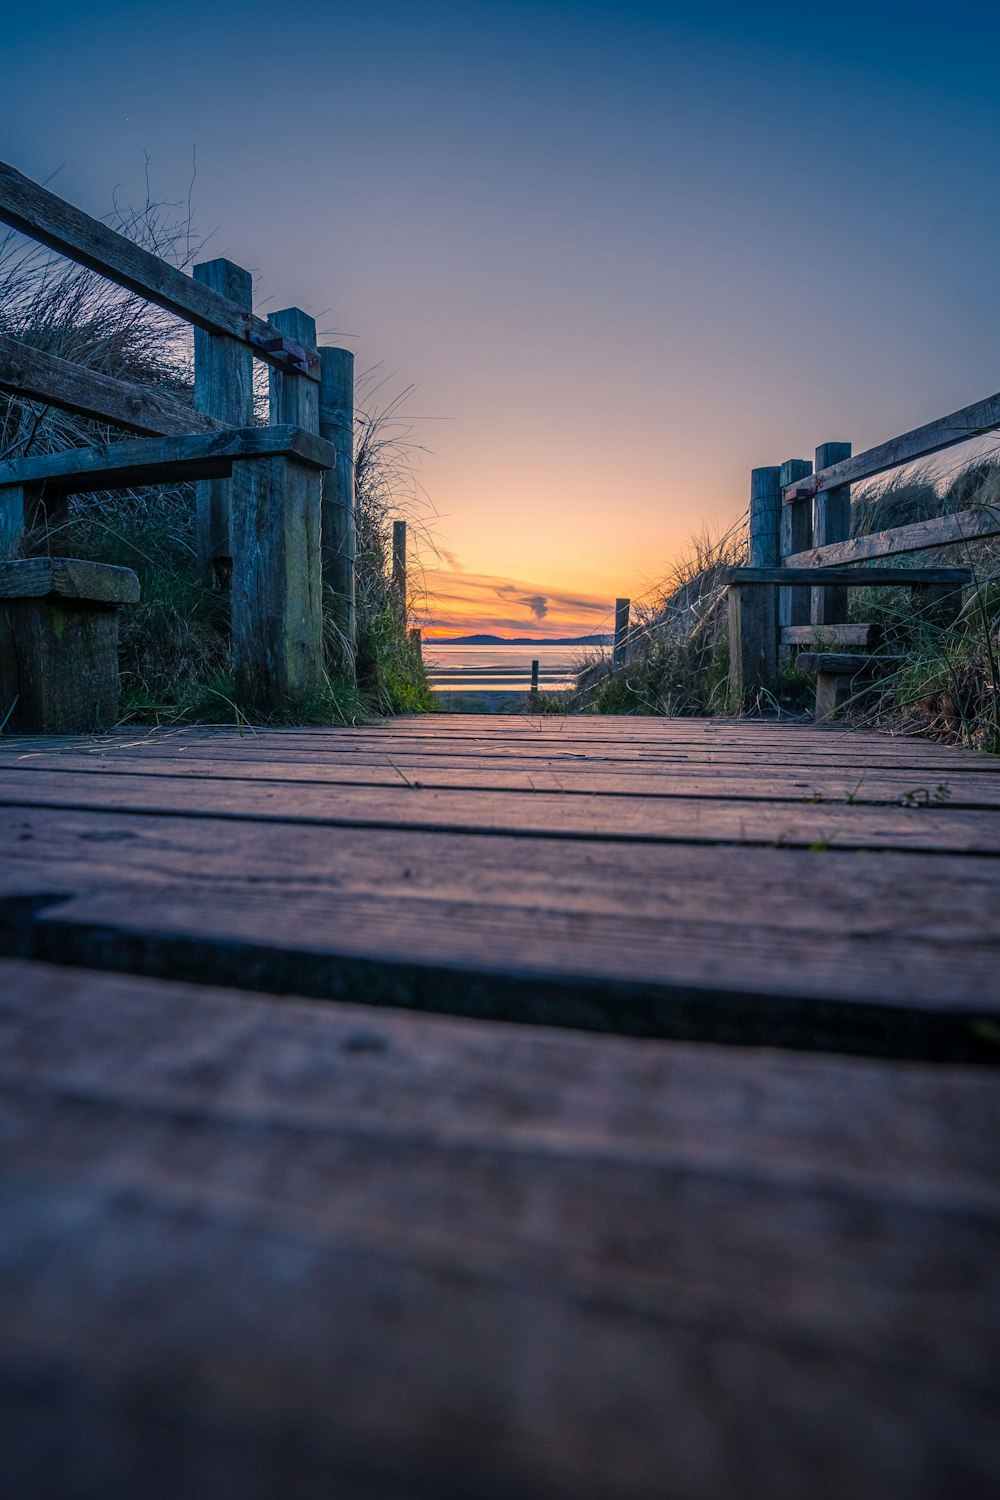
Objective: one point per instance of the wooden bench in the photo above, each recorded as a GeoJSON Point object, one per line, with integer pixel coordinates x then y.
{"type": "Point", "coordinates": [59, 644]}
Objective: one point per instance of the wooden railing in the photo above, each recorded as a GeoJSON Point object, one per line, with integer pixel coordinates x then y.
{"type": "Point", "coordinates": [275, 505]}
{"type": "Point", "coordinates": [803, 560]}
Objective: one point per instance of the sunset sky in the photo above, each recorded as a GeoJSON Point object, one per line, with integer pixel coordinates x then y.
{"type": "Point", "coordinates": [623, 252]}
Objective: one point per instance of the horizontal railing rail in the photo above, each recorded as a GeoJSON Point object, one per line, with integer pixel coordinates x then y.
{"type": "Point", "coordinates": [960, 427]}
{"type": "Point", "coordinates": [34, 211]}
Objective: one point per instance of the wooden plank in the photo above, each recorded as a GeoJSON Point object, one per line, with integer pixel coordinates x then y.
{"type": "Point", "coordinates": [941, 531]}
{"type": "Point", "coordinates": [637, 819]}
{"type": "Point", "coordinates": [336, 424]}
{"type": "Point", "coordinates": [433, 943]}
{"type": "Point", "coordinates": [67, 578]}
{"type": "Point", "coordinates": [831, 523]}
{"type": "Point", "coordinates": [45, 377]}
{"type": "Point", "coordinates": [223, 389]}
{"type": "Point", "coordinates": [818, 783]}
{"type": "Point", "coordinates": [843, 663]}
{"type": "Point", "coordinates": [441, 1257]}
{"type": "Point", "coordinates": [42, 216]}
{"type": "Point", "coordinates": [848, 577]}
{"type": "Point", "coordinates": [968, 422]}
{"type": "Point", "coordinates": [160, 460]}
{"type": "Point", "coordinates": [822, 635]}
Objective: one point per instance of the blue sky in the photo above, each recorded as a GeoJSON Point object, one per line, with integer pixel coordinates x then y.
{"type": "Point", "coordinates": [625, 253]}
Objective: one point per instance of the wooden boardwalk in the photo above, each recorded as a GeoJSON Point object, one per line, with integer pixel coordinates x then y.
{"type": "Point", "coordinates": [256, 1244]}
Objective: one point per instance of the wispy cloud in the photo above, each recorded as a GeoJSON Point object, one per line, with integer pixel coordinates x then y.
{"type": "Point", "coordinates": [461, 603]}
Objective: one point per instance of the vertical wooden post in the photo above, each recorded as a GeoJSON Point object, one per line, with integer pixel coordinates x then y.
{"type": "Point", "coordinates": [14, 504]}
{"type": "Point", "coordinates": [223, 388]}
{"type": "Point", "coordinates": [399, 564]}
{"type": "Point", "coordinates": [277, 607]}
{"type": "Point", "coordinates": [534, 677]}
{"type": "Point", "coordinates": [753, 608]}
{"type": "Point", "coordinates": [336, 424]}
{"type": "Point", "coordinates": [416, 642]}
{"type": "Point", "coordinates": [622, 608]}
{"type": "Point", "coordinates": [294, 399]}
{"type": "Point", "coordinates": [277, 579]}
{"type": "Point", "coordinates": [831, 523]}
{"type": "Point", "coordinates": [794, 605]}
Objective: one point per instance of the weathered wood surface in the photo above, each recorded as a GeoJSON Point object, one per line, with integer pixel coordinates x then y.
{"type": "Point", "coordinates": [634, 818]}
{"type": "Point", "coordinates": [753, 657]}
{"type": "Point", "coordinates": [223, 389]}
{"type": "Point", "coordinates": [42, 216]}
{"type": "Point", "coordinates": [795, 534]}
{"type": "Point", "coordinates": [339, 539]}
{"type": "Point", "coordinates": [843, 662]}
{"type": "Point", "coordinates": [297, 1249]}
{"type": "Point", "coordinates": [145, 409]}
{"type": "Point", "coordinates": [969, 422]}
{"type": "Point", "coordinates": [135, 461]}
{"type": "Point", "coordinates": [691, 911]}
{"type": "Point", "coordinates": [831, 517]}
{"type": "Point", "coordinates": [67, 578]}
{"type": "Point", "coordinates": [824, 635]}
{"type": "Point", "coordinates": [846, 577]}
{"type": "Point", "coordinates": [58, 665]}
{"type": "Point", "coordinates": [940, 531]}
{"type": "Point", "coordinates": [277, 590]}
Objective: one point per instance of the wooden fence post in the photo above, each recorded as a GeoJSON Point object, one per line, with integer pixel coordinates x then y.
{"type": "Point", "coordinates": [294, 399]}
{"type": "Point", "coordinates": [622, 609]}
{"type": "Point", "coordinates": [336, 424]}
{"type": "Point", "coordinates": [277, 579]}
{"type": "Point", "coordinates": [223, 389]}
{"type": "Point", "coordinates": [416, 642]}
{"type": "Point", "coordinates": [794, 605]}
{"type": "Point", "coordinates": [831, 523]}
{"type": "Point", "coordinates": [753, 608]}
{"type": "Point", "coordinates": [534, 677]}
{"type": "Point", "coordinates": [399, 564]}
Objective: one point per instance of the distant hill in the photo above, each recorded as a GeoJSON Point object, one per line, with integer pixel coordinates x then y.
{"type": "Point", "coordinates": [518, 640]}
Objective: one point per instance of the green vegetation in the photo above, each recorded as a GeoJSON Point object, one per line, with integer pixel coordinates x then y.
{"type": "Point", "coordinates": [946, 682]}
{"type": "Point", "coordinates": [175, 650]}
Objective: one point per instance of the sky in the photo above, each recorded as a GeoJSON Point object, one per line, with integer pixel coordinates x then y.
{"type": "Point", "coordinates": [621, 253]}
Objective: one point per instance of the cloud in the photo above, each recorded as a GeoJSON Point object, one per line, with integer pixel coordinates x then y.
{"type": "Point", "coordinates": [537, 603]}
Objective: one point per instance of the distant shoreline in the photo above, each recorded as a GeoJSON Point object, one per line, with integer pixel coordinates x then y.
{"type": "Point", "coordinates": [519, 640]}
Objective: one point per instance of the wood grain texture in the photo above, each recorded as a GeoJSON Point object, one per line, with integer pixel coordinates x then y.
{"type": "Point", "coordinates": [42, 216]}
{"type": "Point", "coordinates": [339, 540]}
{"type": "Point", "coordinates": [831, 511]}
{"type": "Point", "coordinates": [795, 534]}
{"type": "Point", "coordinates": [940, 531]}
{"type": "Point", "coordinates": [223, 390]}
{"type": "Point", "coordinates": [58, 665]}
{"type": "Point", "coordinates": [848, 577]}
{"type": "Point", "coordinates": [968, 422]}
{"type": "Point", "coordinates": [844, 663]}
{"type": "Point", "coordinates": [381, 1256]}
{"type": "Point", "coordinates": [136, 461]}
{"type": "Point", "coordinates": [277, 602]}
{"type": "Point", "coordinates": [41, 376]}
{"type": "Point", "coordinates": [68, 578]}
{"type": "Point", "coordinates": [753, 637]}
{"type": "Point", "coordinates": [823, 635]}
